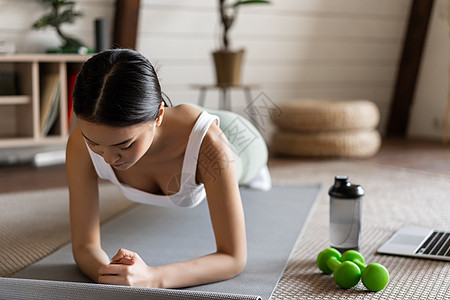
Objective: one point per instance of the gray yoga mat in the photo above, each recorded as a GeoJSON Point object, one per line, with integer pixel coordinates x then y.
{"type": "Point", "coordinates": [274, 220]}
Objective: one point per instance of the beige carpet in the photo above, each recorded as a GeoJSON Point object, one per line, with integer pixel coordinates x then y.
{"type": "Point", "coordinates": [394, 197]}
{"type": "Point", "coordinates": [32, 225]}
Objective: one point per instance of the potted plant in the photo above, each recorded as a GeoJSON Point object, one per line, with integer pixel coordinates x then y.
{"type": "Point", "coordinates": [62, 11]}
{"type": "Point", "coordinates": [227, 62]}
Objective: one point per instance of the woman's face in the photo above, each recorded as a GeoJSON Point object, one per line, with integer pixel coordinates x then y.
{"type": "Point", "coordinates": [121, 147]}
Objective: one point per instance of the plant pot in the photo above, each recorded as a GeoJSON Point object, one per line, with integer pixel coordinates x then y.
{"type": "Point", "coordinates": [228, 67]}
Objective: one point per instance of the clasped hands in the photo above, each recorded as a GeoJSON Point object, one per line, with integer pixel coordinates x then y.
{"type": "Point", "coordinates": [127, 268]}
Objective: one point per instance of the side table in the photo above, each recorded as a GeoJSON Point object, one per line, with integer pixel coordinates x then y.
{"type": "Point", "coordinates": [224, 91]}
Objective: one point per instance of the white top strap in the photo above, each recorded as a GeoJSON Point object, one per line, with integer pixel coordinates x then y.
{"type": "Point", "coordinates": [192, 154]}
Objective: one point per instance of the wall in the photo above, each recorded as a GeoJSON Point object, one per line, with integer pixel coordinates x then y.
{"type": "Point", "coordinates": [295, 49]}
{"type": "Point", "coordinates": [17, 17]}
{"type": "Point", "coordinates": [427, 114]}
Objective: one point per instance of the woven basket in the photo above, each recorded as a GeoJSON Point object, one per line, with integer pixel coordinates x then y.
{"type": "Point", "coordinates": [349, 144]}
{"type": "Point", "coordinates": [327, 115]}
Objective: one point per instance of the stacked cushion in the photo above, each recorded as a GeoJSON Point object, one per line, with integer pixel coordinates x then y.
{"type": "Point", "coordinates": [327, 128]}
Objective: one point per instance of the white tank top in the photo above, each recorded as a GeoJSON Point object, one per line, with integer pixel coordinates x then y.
{"type": "Point", "coordinates": [190, 194]}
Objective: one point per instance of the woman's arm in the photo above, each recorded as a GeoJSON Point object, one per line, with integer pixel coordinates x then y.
{"type": "Point", "coordinates": [217, 171]}
{"type": "Point", "coordinates": [84, 207]}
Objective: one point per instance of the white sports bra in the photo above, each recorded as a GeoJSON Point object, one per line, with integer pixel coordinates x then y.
{"type": "Point", "coordinates": [190, 193]}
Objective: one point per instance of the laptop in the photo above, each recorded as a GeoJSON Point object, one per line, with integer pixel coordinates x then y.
{"type": "Point", "coordinates": [418, 242]}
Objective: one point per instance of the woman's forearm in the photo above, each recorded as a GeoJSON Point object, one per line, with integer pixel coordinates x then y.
{"type": "Point", "coordinates": [206, 269]}
{"type": "Point", "coordinates": [89, 259]}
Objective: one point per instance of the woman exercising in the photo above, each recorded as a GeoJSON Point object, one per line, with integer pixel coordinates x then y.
{"type": "Point", "coordinates": [158, 155]}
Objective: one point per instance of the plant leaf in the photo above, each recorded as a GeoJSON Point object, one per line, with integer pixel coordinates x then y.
{"type": "Point", "coordinates": [245, 2]}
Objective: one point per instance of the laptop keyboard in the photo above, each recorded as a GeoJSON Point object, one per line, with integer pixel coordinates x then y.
{"type": "Point", "coordinates": [438, 243]}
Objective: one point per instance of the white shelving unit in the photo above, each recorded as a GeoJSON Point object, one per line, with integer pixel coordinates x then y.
{"type": "Point", "coordinates": [20, 113]}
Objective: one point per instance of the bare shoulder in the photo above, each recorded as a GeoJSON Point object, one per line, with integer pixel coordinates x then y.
{"type": "Point", "coordinates": [77, 155]}
{"type": "Point", "coordinates": [188, 112]}
{"type": "Point", "coordinates": [76, 145]}
{"type": "Point", "coordinates": [215, 156]}
{"type": "Point", "coordinates": [75, 138]}
{"type": "Point", "coordinates": [214, 136]}
{"type": "Point", "coordinates": [181, 119]}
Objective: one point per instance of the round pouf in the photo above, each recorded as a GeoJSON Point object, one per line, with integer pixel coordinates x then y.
{"type": "Point", "coordinates": [327, 115]}
{"type": "Point", "coordinates": [350, 144]}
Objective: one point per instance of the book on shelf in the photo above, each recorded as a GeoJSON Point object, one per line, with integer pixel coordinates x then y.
{"type": "Point", "coordinates": [71, 79]}
{"type": "Point", "coordinates": [49, 102]}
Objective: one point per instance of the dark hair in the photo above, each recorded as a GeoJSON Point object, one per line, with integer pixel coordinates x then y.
{"type": "Point", "coordinates": [117, 88]}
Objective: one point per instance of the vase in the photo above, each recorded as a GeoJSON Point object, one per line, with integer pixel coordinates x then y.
{"type": "Point", "coordinates": [228, 67]}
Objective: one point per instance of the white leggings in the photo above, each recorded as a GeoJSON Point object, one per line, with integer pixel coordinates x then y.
{"type": "Point", "coordinates": [249, 148]}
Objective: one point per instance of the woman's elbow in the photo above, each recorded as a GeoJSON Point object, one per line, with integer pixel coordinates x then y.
{"type": "Point", "coordinates": [239, 263]}
{"type": "Point", "coordinates": [241, 266]}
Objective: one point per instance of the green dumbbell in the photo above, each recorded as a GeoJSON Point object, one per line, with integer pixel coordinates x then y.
{"type": "Point", "coordinates": [374, 276]}
{"type": "Point", "coordinates": [346, 274]}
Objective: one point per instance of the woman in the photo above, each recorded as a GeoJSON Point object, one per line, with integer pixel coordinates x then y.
{"type": "Point", "coordinates": [167, 156]}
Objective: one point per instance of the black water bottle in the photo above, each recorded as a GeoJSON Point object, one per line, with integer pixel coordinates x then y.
{"type": "Point", "coordinates": [345, 214]}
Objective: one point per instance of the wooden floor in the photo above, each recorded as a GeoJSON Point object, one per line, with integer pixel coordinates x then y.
{"type": "Point", "coordinates": [430, 156]}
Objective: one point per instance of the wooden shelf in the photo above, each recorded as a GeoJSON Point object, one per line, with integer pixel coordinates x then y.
{"type": "Point", "coordinates": [43, 57]}
{"type": "Point", "coordinates": [20, 142]}
{"type": "Point", "coordinates": [20, 115]}
{"type": "Point", "coordinates": [15, 100]}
